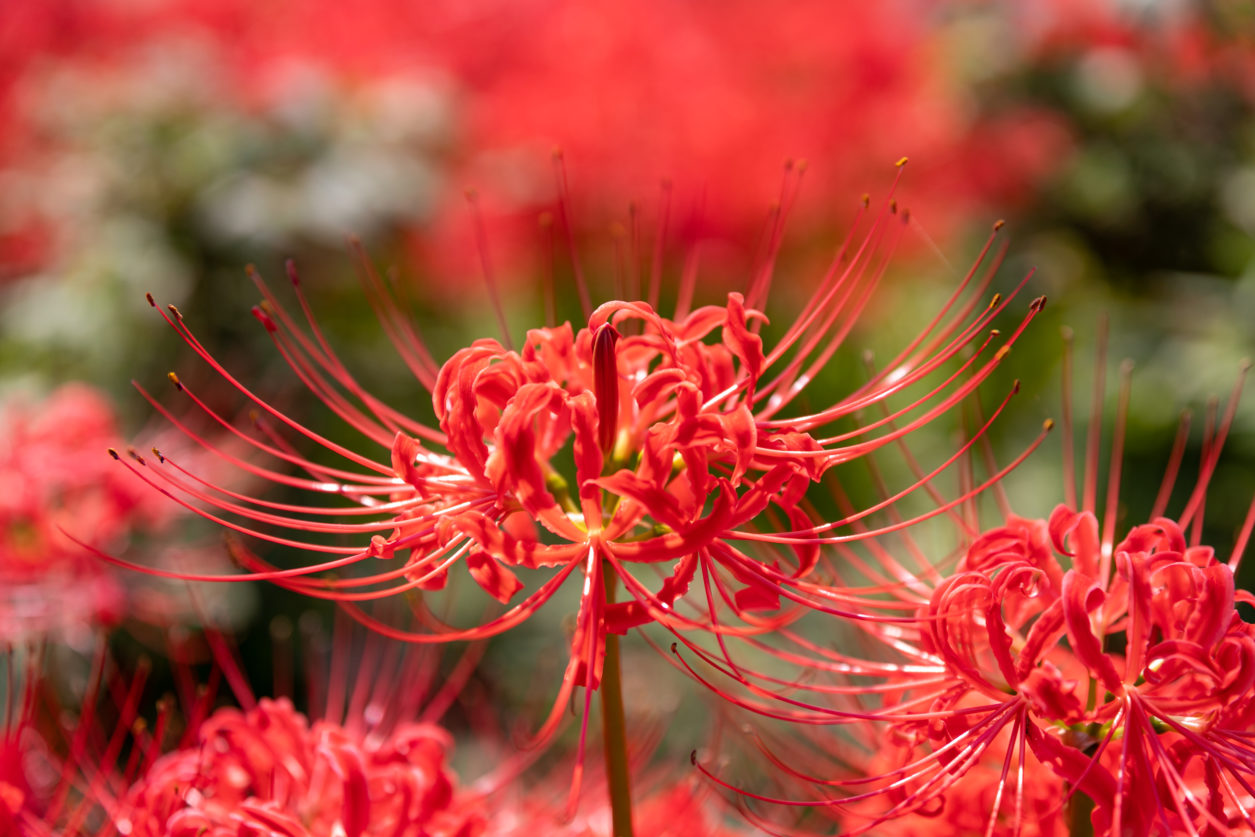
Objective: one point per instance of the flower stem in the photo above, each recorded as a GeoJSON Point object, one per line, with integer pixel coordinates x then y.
{"type": "Point", "coordinates": [614, 727]}
{"type": "Point", "coordinates": [1079, 808]}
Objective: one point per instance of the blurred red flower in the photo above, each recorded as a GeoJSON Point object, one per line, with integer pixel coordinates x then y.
{"type": "Point", "coordinates": [269, 770]}
{"type": "Point", "coordinates": [708, 94]}
{"type": "Point", "coordinates": [52, 480]}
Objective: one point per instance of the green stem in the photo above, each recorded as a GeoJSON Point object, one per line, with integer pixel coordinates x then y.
{"type": "Point", "coordinates": [614, 726]}
{"type": "Point", "coordinates": [1080, 807]}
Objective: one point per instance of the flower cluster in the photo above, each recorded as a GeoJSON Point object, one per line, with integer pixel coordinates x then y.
{"type": "Point", "coordinates": [1125, 674]}
{"type": "Point", "coordinates": [269, 770]}
{"type": "Point", "coordinates": [670, 457]}
{"type": "Point", "coordinates": [636, 442]}
{"type": "Point", "coordinates": [1068, 679]}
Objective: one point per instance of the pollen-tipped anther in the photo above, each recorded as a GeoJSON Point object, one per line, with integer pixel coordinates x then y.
{"type": "Point", "coordinates": [264, 318]}
{"type": "Point", "coordinates": [174, 379]}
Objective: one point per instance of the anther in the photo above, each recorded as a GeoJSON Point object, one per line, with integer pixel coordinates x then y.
{"type": "Point", "coordinates": [174, 379]}
{"type": "Point", "coordinates": [999, 224]}
{"type": "Point", "coordinates": [901, 162]}
{"type": "Point", "coordinates": [264, 318]}
{"type": "Point", "coordinates": [150, 299]}
{"type": "Point", "coordinates": [114, 453]}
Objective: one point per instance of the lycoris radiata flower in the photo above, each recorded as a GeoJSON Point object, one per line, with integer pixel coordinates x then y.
{"type": "Point", "coordinates": [649, 452]}
{"type": "Point", "coordinates": [1072, 677]}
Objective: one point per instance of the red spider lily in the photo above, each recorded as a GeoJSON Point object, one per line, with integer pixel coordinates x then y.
{"type": "Point", "coordinates": [55, 494]}
{"type": "Point", "coordinates": [726, 85]}
{"type": "Point", "coordinates": [50, 479]}
{"type": "Point", "coordinates": [370, 759]}
{"type": "Point", "coordinates": [1119, 670]}
{"type": "Point", "coordinates": [269, 771]}
{"type": "Point", "coordinates": [638, 446]}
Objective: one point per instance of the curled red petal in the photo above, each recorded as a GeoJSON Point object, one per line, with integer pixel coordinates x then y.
{"type": "Point", "coordinates": [1081, 597]}
{"type": "Point", "coordinates": [498, 581]}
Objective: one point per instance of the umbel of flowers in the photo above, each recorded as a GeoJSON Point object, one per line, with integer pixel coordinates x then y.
{"type": "Point", "coordinates": [370, 756]}
{"type": "Point", "coordinates": [1059, 679]}
{"type": "Point", "coordinates": [599, 455]}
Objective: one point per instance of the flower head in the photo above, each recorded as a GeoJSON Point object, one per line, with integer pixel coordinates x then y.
{"type": "Point", "coordinates": [367, 757]}
{"type": "Point", "coordinates": [269, 770]}
{"type": "Point", "coordinates": [639, 447]}
{"type": "Point", "coordinates": [1119, 669]}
